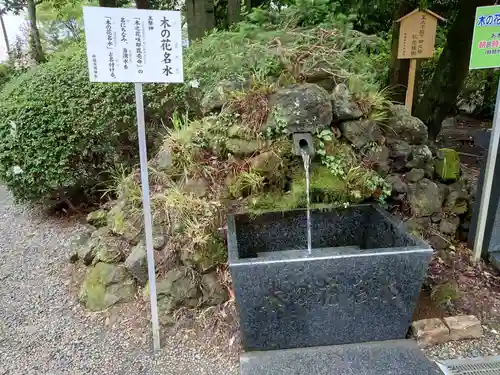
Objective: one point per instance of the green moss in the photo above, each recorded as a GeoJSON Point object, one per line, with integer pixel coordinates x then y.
{"type": "Point", "coordinates": [448, 167]}
{"type": "Point", "coordinates": [97, 218]}
{"type": "Point", "coordinates": [245, 184]}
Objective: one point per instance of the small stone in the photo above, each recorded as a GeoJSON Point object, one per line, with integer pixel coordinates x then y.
{"type": "Point", "coordinates": [137, 263]}
{"type": "Point", "coordinates": [243, 147]}
{"type": "Point", "coordinates": [215, 98]}
{"type": "Point", "coordinates": [97, 218]}
{"type": "Point", "coordinates": [213, 292]}
{"type": "Point", "coordinates": [73, 258]}
{"type": "Point", "coordinates": [266, 162]}
{"type": "Point", "coordinates": [159, 241]}
{"type": "Point", "coordinates": [196, 186]}
{"type": "Point", "coordinates": [449, 225]}
{"type": "Point", "coordinates": [425, 198]}
{"type": "Point", "coordinates": [438, 242]}
{"type": "Point", "coordinates": [430, 332]}
{"type": "Point", "coordinates": [464, 327]}
{"type": "Point", "coordinates": [420, 157]}
{"type": "Point", "coordinates": [415, 175]}
{"type": "Point", "coordinates": [343, 104]}
{"type": "Point", "coordinates": [436, 218]}
{"type": "Point", "coordinates": [360, 132]}
{"type": "Point", "coordinates": [397, 183]}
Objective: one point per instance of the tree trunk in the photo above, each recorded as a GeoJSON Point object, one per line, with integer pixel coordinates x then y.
{"type": "Point", "coordinates": [107, 3]}
{"type": "Point", "coordinates": [191, 19]}
{"type": "Point", "coordinates": [451, 70]}
{"type": "Point", "coordinates": [4, 32]}
{"type": "Point", "coordinates": [35, 43]}
{"type": "Point", "coordinates": [254, 4]}
{"type": "Point", "coordinates": [233, 11]}
{"type": "Point", "coordinates": [209, 15]}
{"type": "Point", "coordinates": [142, 4]}
{"type": "Point", "coordinates": [397, 78]}
{"type": "Point", "coordinates": [490, 87]}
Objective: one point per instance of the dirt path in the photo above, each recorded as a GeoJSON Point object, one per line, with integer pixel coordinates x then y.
{"type": "Point", "coordinates": [44, 331]}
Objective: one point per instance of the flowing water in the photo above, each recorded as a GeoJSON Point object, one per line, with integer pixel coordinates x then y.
{"type": "Point", "coordinates": [307, 163]}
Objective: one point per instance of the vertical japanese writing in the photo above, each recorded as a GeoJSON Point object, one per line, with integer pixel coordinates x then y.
{"type": "Point", "coordinates": [138, 45]}
{"type": "Point", "coordinates": [109, 33]}
{"type": "Point", "coordinates": [112, 64]}
{"type": "Point", "coordinates": [166, 46]}
{"type": "Point", "coordinates": [123, 27]}
{"type": "Point", "coordinates": [414, 44]}
{"type": "Point", "coordinates": [94, 66]}
{"type": "Point", "coordinates": [151, 26]}
{"type": "Point", "coordinates": [405, 40]}
{"type": "Point", "coordinates": [421, 33]}
{"type": "Point", "coordinates": [124, 39]}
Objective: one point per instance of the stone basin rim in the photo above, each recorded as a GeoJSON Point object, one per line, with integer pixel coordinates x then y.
{"type": "Point", "coordinates": [417, 247]}
{"type": "Point", "coordinates": [361, 253]}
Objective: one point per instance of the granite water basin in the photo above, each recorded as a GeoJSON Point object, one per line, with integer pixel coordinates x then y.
{"type": "Point", "coordinates": [359, 283]}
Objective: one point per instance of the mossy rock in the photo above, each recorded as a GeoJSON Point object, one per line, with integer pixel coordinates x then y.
{"type": "Point", "coordinates": [214, 252]}
{"type": "Point", "coordinates": [213, 292]}
{"type": "Point", "coordinates": [106, 285]}
{"type": "Point", "coordinates": [299, 108]}
{"type": "Point", "coordinates": [178, 288]}
{"type": "Point", "coordinates": [97, 218]}
{"type": "Point", "coordinates": [119, 222]}
{"type": "Point", "coordinates": [244, 147]}
{"type": "Point", "coordinates": [447, 164]}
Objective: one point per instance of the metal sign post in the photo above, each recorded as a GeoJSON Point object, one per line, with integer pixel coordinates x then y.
{"type": "Point", "coordinates": [139, 46]}
{"type": "Point", "coordinates": [148, 226]}
{"type": "Point", "coordinates": [485, 53]}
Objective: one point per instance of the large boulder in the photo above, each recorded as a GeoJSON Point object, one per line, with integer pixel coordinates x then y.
{"type": "Point", "coordinates": [215, 98]}
{"type": "Point", "coordinates": [137, 263]}
{"type": "Point", "coordinates": [344, 106]}
{"type": "Point", "coordinates": [105, 285]}
{"type": "Point", "coordinates": [405, 127]}
{"type": "Point", "coordinates": [299, 108]}
{"type": "Point", "coordinates": [425, 198]}
{"type": "Point", "coordinates": [447, 164]}
{"type": "Point", "coordinates": [360, 132]}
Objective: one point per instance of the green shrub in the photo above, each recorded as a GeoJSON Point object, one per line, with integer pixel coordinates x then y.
{"type": "Point", "coordinates": [61, 133]}
{"type": "Point", "coordinates": [6, 73]}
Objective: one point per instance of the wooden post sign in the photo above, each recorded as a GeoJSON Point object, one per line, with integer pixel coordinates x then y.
{"type": "Point", "coordinates": [417, 36]}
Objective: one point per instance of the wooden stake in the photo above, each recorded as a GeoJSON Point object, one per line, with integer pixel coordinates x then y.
{"type": "Point", "coordinates": [411, 84]}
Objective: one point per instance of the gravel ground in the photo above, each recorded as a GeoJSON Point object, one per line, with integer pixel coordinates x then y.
{"type": "Point", "coordinates": [489, 345]}
{"type": "Point", "coordinates": [43, 329]}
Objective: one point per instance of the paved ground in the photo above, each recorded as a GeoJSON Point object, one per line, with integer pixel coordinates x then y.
{"type": "Point", "coordinates": [44, 331]}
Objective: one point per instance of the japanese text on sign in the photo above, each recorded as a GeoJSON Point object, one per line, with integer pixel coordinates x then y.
{"type": "Point", "coordinates": [132, 45]}
{"type": "Point", "coordinates": [485, 51]}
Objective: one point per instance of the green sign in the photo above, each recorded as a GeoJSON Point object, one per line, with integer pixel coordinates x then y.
{"type": "Point", "coordinates": [485, 52]}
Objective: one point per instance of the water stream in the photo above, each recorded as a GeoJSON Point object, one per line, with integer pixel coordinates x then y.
{"type": "Point", "coordinates": [307, 163]}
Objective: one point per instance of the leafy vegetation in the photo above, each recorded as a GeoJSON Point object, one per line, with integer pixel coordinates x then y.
{"type": "Point", "coordinates": [62, 135]}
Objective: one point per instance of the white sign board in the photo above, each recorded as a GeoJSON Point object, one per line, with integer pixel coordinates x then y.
{"type": "Point", "coordinates": [133, 45]}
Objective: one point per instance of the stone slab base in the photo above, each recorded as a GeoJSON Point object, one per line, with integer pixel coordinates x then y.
{"type": "Point", "coordinates": [399, 357]}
